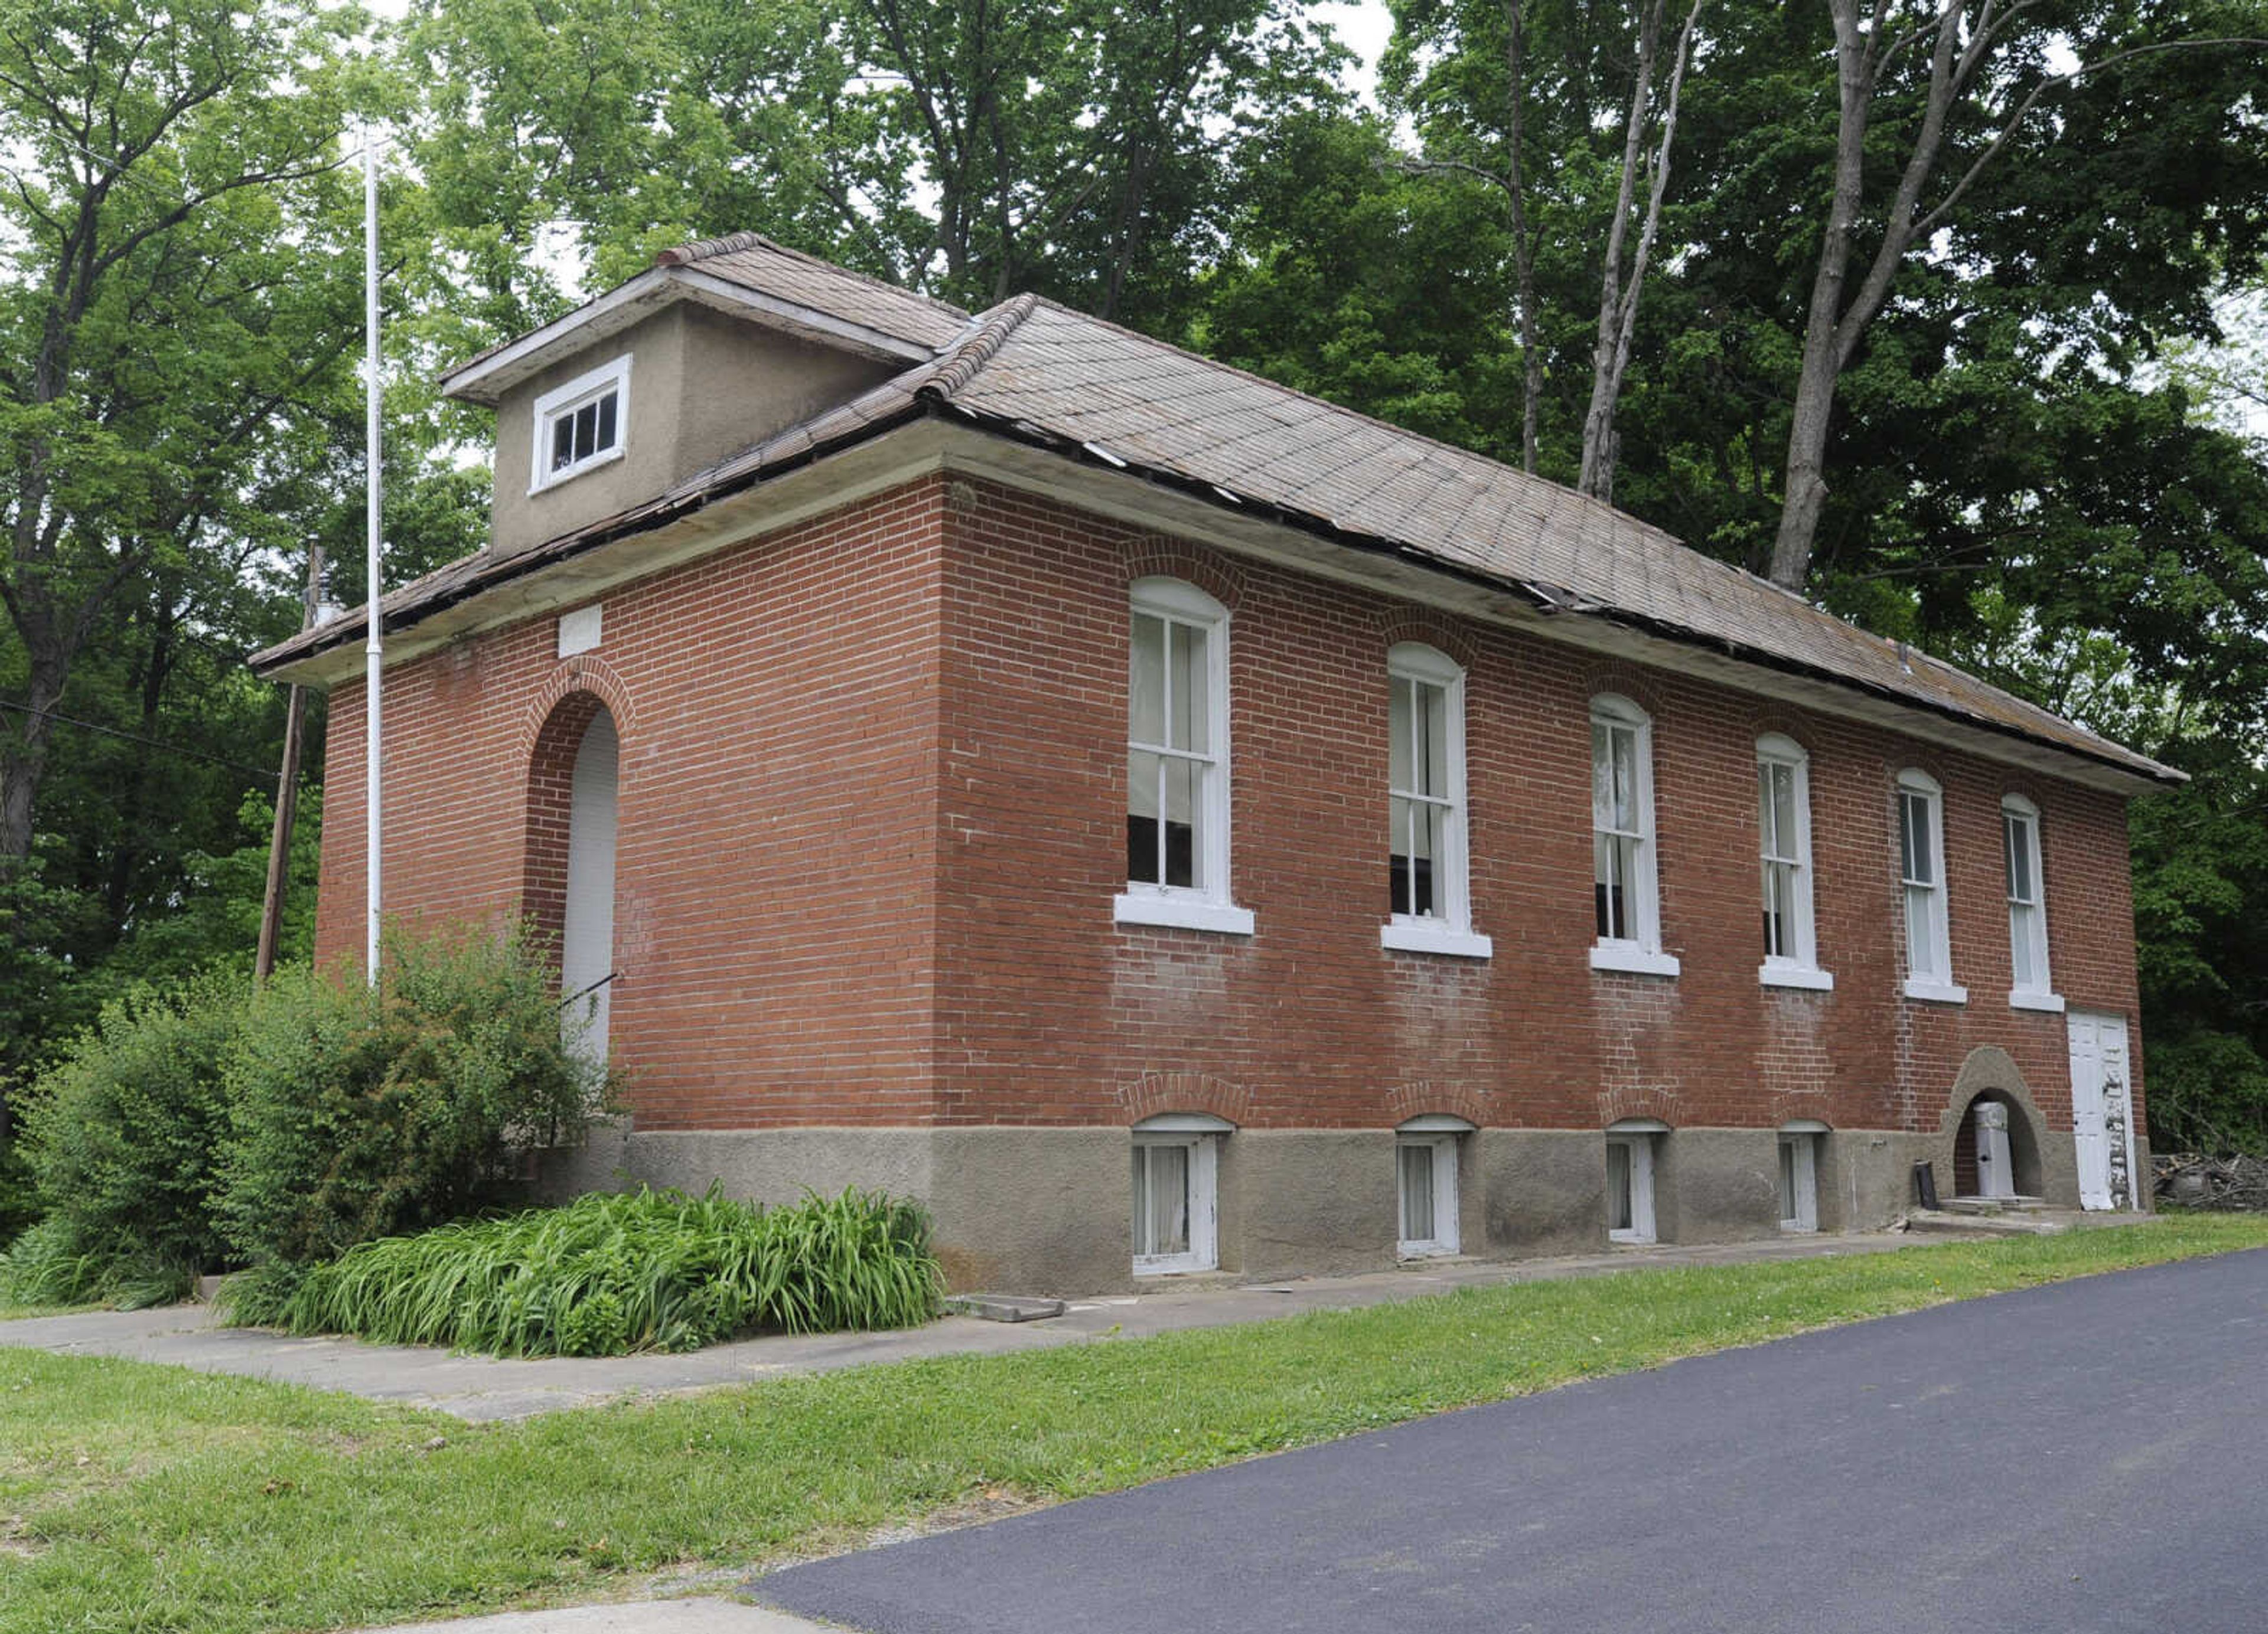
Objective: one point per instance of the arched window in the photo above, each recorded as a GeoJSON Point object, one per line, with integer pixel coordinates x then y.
{"type": "Point", "coordinates": [1177, 761]}
{"type": "Point", "coordinates": [1784, 833]}
{"type": "Point", "coordinates": [2030, 987]}
{"type": "Point", "coordinates": [1921, 879]}
{"type": "Point", "coordinates": [1428, 882]}
{"type": "Point", "coordinates": [1625, 894]}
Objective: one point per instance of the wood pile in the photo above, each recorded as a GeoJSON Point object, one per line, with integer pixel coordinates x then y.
{"type": "Point", "coordinates": [2191, 1180]}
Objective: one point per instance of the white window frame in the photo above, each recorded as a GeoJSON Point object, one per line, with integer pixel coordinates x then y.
{"type": "Point", "coordinates": [1199, 1135]}
{"type": "Point", "coordinates": [1206, 907]}
{"type": "Point", "coordinates": [1797, 964]}
{"type": "Point", "coordinates": [1640, 951]}
{"type": "Point", "coordinates": [1639, 1137]}
{"type": "Point", "coordinates": [1930, 978]}
{"type": "Point", "coordinates": [1438, 1134]}
{"type": "Point", "coordinates": [565, 400]}
{"type": "Point", "coordinates": [1801, 1137]}
{"type": "Point", "coordinates": [1451, 930]}
{"type": "Point", "coordinates": [2027, 920]}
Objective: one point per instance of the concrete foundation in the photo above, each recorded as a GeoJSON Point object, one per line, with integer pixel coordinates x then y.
{"type": "Point", "coordinates": [1048, 1210]}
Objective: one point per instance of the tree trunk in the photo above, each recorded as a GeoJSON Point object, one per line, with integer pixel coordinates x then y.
{"type": "Point", "coordinates": [1805, 495]}
{"type": "Point", "coordinates": [1523, 244]}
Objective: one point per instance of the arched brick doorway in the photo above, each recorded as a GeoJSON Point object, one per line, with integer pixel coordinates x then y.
{"type": "Point", "coordinates": [568, 887]}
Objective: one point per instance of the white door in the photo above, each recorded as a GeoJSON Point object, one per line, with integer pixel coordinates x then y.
{"type": "Point", "coordinates": [586, 953]}
{"type": "Point", "coordinates": [2102, 1111]}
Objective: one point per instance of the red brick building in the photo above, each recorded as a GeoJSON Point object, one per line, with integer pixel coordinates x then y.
{"type": "Point", "coordinates": [1166, 822]}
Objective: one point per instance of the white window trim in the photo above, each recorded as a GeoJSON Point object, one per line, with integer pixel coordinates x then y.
{"type": "Point", "coordinates": [1640, 1134]}
{"type": "Point", "coordinates": [616, 373]}
{"type": "Point", "coordinates": [1808, 1132]}
{"type": "Point", "coordinates": [1200, 1135]}
{"type": "Point", "coordinates": [1933, 989]}
{"type": "Point", "coordinates": [1182, 907]}
{"type": "Point", "coordinates": [1443, 1146]}
{"type": "Point", "coordinates": [1801, 968]}
{"type": "Point", "coordinates": [2043, 996]}
{"type": "Point", "coordinates": [1640, 954]}
{"type": "Point", "coordinates": [1450, 931]}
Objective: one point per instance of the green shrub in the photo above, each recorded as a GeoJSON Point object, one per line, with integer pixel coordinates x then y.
{"type": "Point", "coordinates": [20, 1194]}
{"type": "Point", "coordinates": [122, 1135]}
{"type": "Point", "coordinates": [362, 1112]}
{"type": "Point", "coordinates": [609, 1274]}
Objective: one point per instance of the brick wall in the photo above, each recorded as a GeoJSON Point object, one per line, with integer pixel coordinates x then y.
{"type": "Point", "coordinates": [776, 707]}
{"type": "Point", "coordinates": [872, 815]}
{"type": "Point", "coordinates": [1047, 1013]}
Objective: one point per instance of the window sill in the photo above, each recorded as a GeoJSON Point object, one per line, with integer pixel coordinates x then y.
{"type": "Point", "coordinates": [1633, 961]}
{"type": "Point", "coordinates": [1173, 1265]}
{"type": "Point", "coordinates": [1632, 1239]}
{"type": "Point", "coordinates": [1415, 935]}
{"type": "Point", "coordinates": [1935, 992]}
{"type": "Point", "coordinates": [1796, 975]}
{"type": "Point", "coordinates": [1424, 1253]}
{"type": "Point", "coordinates": [552, 479]}
{"type": "Point", "coordinates": [2051, 1003]}
{"type": "Point", "coordinates": [1181, 913]}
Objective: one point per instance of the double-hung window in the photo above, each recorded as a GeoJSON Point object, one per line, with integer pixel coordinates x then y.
{"type": "Point", "coordinates": [582, 424]}
{"type": "Point", "coordinates": [1427, 901]}
{"type": "Point", "coordinates": [1921, 883]}
{"type": "Point", "coordinates": [1625, 894]}
{"type": "Point", "coordinates": [1784, 828]}
{"type": "Point", "coordinates": [2028, 919]}
{"type": "Point", "coordinates": [1177, 763]}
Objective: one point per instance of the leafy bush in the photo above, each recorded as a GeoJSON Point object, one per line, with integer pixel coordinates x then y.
{"type": "Point", "coordinates": [361, 1113]}
{"type": "Point", "coordinates": [120, 1134]}
{"type": "Point", "coordinates": [20, 1194]}
{"type": "Point", "coordinates": [609, 1274]}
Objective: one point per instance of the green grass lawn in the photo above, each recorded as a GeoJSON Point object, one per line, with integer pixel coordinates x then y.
{"type": "Point", "coordinates": [141, 1498]}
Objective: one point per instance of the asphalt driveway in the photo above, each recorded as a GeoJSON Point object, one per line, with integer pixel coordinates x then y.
{"type": "Point", "coordinates": [2090, 1455]}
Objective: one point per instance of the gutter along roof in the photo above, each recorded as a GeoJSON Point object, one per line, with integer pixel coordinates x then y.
{"type": "Point", "coordinates": [1041, 374]}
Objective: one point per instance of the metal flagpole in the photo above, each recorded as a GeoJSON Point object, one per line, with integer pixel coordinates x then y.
{"type": "Point", "coordinates": [373, 649]}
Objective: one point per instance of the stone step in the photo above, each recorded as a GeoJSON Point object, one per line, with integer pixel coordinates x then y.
{"type": "Point", "coordinates": [1949, 1223]}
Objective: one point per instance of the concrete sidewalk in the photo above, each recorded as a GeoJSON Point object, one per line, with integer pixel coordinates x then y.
{"type": "Point", "coordinates": [483, 1387]}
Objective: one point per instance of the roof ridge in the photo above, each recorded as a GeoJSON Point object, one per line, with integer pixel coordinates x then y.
{"type": "Point", "coordinates": [965, 356]}
{"type": "Point", "coordinates": [732, 243]}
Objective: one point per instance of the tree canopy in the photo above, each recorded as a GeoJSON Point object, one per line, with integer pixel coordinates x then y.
{"type": "Point", "coordinates": [1962, 296]}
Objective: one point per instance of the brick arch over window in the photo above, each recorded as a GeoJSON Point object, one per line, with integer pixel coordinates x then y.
{"type": "Point", "coordinates": [1989, 1074]}
{"type": "Point", "coordinates": [1628, 682]}
{"type": "Point", "coordinates": [1399, 624]}
{"type": "Point", "coordinates": [1156, 1092]}
{"type": "Point", "coordinates": [586, 673]}
{"type": "Point", "coordinates": [1788, 1105]}
{"type": "Point", "coordinates": [1647, 1102]}
{"type": "Point", "coordinates": [1426, 1096]}
{"type": "Point", "coordinates": [1156, 558]}
{"type": "Point", "coordinates": [550, 803]}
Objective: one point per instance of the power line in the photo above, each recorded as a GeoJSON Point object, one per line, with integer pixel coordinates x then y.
{"type": "Point", "coordinates": [136, 737]}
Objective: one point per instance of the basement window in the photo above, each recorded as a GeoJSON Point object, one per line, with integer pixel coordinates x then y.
{"type": "Point", "coordinates": [1426, 1178]}
{"type": "Point", "coordinates": [1799, 1174]}
{"type": "Point", "coordinates": [581, 425]}
{"type": "Point", "coordinates": [1177, 1167]}
{"type": "Point", "coordinates": [1629, 1179]}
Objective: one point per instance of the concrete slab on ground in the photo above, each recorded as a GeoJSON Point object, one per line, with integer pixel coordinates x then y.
{"type": "Point", "coordinates": [479, 1387]}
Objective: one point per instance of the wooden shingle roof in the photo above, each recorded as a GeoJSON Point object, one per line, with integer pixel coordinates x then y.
{"type": "Point", "coordinates": [1040, 372]}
